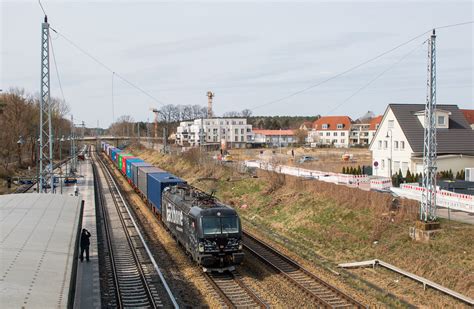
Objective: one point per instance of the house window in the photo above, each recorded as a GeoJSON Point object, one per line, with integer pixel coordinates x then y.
{"type": "Point", "coordinates": [236, 131]}
{"type": "Point", "coordinates": [334, 133]}
{"type": "Point", "coordinates": [321, 133]}
{"type": "Point", "coordinates": [441, 121]}
{"type": "Point", "coordinates": [385, 144]}
{"type": "Point", "coordinates": [395, 145]}
{"type": "Point", "coordinates": [242, 138]}
{"type": "Point", "coordinates": [380, 144]}
{"type": "Point", "coordinates": [325, 126]}
{"type": "Point", "coordinates": [328, 133]}
{"type": "Point", "coordinates": [223, 131]}
{"type": "Point", "coordinates": [383, 164]}
{"type": "Point", "coordinates": [343, 134]}
{"type": "Point", "coordinates": [396, 166]}
{"type": "Point", "coordinates": [241, 131]}
{"type": "Point", "coordinates": [236, 138]}
{"type": "Point", "coordinates": [343, 141]}
{"type": "Point", "coordinates": [391, 124]}
{"type": "Point", "coordinates": [377, 126]}
{"type": "Point", "coordinates": [340, 126]}
{"type": "Point", "coordinates": [402, 145]}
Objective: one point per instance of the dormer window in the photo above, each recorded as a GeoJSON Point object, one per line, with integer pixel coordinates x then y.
{"type": "Point", "coordinates": [441, 120]}
{"type": "Point", "coordinates": [340, 126]}
{"type": "Point", "coordinates": [325, 126]}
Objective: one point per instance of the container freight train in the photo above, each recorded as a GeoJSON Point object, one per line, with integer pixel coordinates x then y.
{"type": "Point", "coordinates": [210, 231]}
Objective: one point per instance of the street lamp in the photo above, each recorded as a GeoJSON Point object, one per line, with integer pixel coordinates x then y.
{"type": "Point", "coordinates": [20, 142]}
{"type": "Point", "coordinates": [391, 150]}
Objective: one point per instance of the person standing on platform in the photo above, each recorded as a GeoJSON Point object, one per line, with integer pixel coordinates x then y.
{"type": "Point", "coordinates": [76, 190]}
{"type": "Point", "coordinates": [85, 242]}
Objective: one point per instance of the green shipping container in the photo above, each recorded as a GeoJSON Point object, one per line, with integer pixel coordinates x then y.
{"type": "Point", "coordinates": [120, 159]}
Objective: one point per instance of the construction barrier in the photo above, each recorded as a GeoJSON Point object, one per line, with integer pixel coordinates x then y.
{"type": "Point", "coordinates": [381, 184]}
{"type": "Point", "coordinates": [452, 200]}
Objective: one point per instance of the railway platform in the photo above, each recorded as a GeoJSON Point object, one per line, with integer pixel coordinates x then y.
{"type": "Point", "coordinates": [87, 282]}
{"type": "Point", "coordinates": [38, 243]}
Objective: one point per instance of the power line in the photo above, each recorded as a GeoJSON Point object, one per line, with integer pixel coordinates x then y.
{"type": "Point", "coordinates": [57, 70]}
{"type": "Point", "coordinates": [376, 77]}
{"type": "Point", "coordinates": [41, 6]}
{"type": "Point", "coordinates": [356, 66]}
{"type": "Point", "coordinates": [108, 68]}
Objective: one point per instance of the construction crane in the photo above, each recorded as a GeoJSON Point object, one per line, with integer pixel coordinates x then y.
{"type": "Point", "coordinates": [210, 95]}
{"type": "Point", "coordinates": [156, 111]}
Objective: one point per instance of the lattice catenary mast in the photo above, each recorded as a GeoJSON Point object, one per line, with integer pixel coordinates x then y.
{"type": "Point", "coordinates": [428, 200]}
{"type": "Point", "coordinates": [46, 136]}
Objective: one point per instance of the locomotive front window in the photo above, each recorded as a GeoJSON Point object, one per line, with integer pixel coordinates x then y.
{"type": "Point", "coordinates": [223, 225]}
{"type": "Point", "coordinates": [211, 225]}
{"type": "Point", "coordinates": [230, 225]}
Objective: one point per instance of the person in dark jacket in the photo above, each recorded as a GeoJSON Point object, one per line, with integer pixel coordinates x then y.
{"type": "Point", "coordinates": [85, 242]}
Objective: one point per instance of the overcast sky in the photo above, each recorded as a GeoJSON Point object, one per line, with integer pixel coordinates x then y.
{"type": "Point", "coordinates": [248, 53]}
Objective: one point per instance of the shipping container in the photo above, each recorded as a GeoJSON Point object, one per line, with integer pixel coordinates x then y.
{"type": "Point", "coordinates": [128, 167]}
{"type": "Point", "coordinates": [120, 159]}
{"type": "Point", "coordinates": [156, 182]}
{"type": "Point", "coordinates": [114, 154]}
{"type": "Point", "coordinates": [142, 178]}
{"type": "Point", "coordinates": [135, 166]}
{"type": "Point", "coordinates": [123, 165]}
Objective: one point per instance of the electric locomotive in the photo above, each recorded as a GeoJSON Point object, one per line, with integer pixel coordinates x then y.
{"type": "Point", "coordinates": [209, 231]}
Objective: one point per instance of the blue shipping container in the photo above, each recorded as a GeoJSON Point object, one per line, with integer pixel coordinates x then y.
{"type": "Point", "coordinates": [156, 182]}
{"type": "Point", "coordinates": [128, 168]}
{"type": "Point", "coordinates": [115, 153]}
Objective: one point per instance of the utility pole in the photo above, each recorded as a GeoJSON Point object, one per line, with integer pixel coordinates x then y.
{"type": "Point", "coordinates": [45, 127]}
{"type": "Point", "coordinates": [428, 200]}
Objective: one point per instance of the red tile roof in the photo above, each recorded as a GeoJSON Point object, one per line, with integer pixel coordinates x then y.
{"type": "Point", "coordinates": [332, 122]}
{"type": "Point", "coordinates": [274, 132]}
{"type": "Point", "coordinates": [469, 114]}
{"type": "Point", "coordinates": [374, 122]}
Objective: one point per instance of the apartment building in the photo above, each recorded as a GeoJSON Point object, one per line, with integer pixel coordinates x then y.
{"type": "Point", "coordinates": [233, 132]}
{"type": "Point", "coordinates": [331, 130]}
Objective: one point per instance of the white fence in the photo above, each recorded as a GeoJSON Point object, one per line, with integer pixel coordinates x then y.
{"type": "Point", "coordinates": [336, 178]}
{"type": "Point", "coordinates": [456, 201]}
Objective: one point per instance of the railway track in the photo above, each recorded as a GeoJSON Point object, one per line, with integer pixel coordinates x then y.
{"type": "Point", "coordinates": [233, 292]}
{"type": "Point", "coordinates": [323, 293]}
{"type": "Point", "coordinates": [133, 272]}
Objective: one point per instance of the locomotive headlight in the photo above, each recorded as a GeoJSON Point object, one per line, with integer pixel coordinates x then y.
{"type": "Point", "coordinates": [201, 247]}
{"type": "Point", "coordinates": [240, 246]}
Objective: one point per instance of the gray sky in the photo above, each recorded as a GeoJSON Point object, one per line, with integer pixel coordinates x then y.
{"type": "Point", "coordinates": [248, 53]}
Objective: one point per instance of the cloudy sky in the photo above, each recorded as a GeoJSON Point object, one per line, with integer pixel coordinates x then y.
{"type": "Point", "coordinates": [250, 53]}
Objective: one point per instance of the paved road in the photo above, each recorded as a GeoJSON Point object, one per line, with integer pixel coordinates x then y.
{"type": "Point", "coordinates": [455, 215]}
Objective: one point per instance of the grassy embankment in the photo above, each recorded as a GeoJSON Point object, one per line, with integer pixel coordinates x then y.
{"type": "Point", "coordinates": [328, 224]}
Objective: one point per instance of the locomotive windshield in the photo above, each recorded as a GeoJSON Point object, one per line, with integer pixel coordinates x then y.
{"type": "Point", "coordinates": [220, 225]}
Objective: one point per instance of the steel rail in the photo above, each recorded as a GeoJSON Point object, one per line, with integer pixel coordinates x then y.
{"type": "Point", "coordinates": [231, 302]}
{"type": "Point", "coordinates": [298, 267]}
{"type": "Point", "coordinates": [99, 193]}
{"type": "Point", "coordinates": [147, 249]}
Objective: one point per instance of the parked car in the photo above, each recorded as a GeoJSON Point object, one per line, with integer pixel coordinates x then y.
{"type": "Point", "coordinates": [307, 159]}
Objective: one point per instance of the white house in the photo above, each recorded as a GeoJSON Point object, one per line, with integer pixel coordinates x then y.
{"type": "Point", "coordinates": [274, 138]}
{"type": "Point", "coordinates": [331, 130]}
{"type": "Point", "coordinates": [398, 142]}
{"type": "Point", "coordinates": [234, 132]}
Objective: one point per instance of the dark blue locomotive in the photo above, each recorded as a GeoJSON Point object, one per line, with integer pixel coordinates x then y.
{"type": "Point", "coordinates": [209, 231]}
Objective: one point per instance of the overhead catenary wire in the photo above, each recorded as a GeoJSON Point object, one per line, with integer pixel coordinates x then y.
{"type": "Point", "coordinates": [376, 77]}
{"type": "Point", "coordinates": [57, 70]}
{"type": "Point", "coordinates": [102, 64]}
{"type": "Point", "coordinates": [353, 68]}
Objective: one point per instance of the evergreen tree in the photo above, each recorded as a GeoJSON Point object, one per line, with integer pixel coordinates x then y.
{"type": "Point", "coordinates": [344, 170]}
{"type": "Point", "coordinates": [359, 171]}
{"type": "Point", "coordinates": [408, 177]}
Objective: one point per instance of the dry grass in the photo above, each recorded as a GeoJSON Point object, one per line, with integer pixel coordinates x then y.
{"type": "Point", "coordinates": [337, 223]}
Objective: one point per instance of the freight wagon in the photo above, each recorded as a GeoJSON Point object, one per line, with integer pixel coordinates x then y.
{"type": "Point", "coordinates": [209, 231]}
